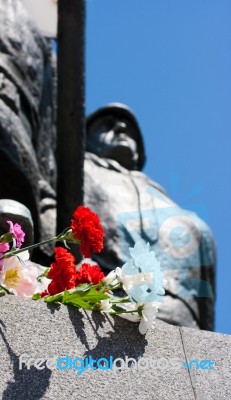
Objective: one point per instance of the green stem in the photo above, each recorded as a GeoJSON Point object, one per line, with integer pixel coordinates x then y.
{"type": "Point", "coordinates": [116, 286]}
{"type": "Point", "coordinates": [60, 238]}
{"type": "Point", "coordinates": [123, 300]}
{"type": "Point", "coordinates": [15, 252]}
{"type": "Point", "coordinates": [6, 290]}
{"type": "Point", "coordinates": [124, 312]}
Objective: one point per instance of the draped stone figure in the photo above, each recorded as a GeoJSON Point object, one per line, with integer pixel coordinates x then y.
{"type": "Point", "coordinates": [27, 119]}
{"type": "Point", "coordinates": [133, 207]}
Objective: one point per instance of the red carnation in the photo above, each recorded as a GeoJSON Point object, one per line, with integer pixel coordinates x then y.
{"type": "Point", "coordinates": [62, 272]}
{"type": "Point", "coordinates": [89, 274]}
{"type": "Point", "coordinates": [64, 261]}
{"type": "Point", "coordinates": [87, 228]}
{"type": "Point", "coordinates": [44, 293]}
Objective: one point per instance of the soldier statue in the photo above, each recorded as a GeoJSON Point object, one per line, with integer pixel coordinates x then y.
{"type": "Point", "coordinates": [133, 207]}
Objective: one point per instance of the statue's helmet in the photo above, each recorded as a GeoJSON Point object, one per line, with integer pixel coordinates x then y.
{"type": "Point", "coordinates": [121, 110]}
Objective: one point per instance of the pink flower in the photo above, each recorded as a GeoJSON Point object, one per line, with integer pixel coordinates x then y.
{"type": "Point", "coordinates": [19, 275]}
{"type": "Point", "coordinates": [17, 232]}
{"type": "Point", "coordinates": [3, 248]}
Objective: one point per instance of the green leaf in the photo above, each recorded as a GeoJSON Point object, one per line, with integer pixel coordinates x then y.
{"type": "Point", "coordinates": [118, 309]}
{"type": "Point", "coordinates": [84, 298]}
{"type": "Point", "coordinates": [7, 237]}
{"type": "Point", "coordinates": [54, 299]}
{"type": "Point", "coordinates": [95, 295]}
{"type": "Point", "coordinates": [36, 296]}
{"type": "Point", "coordinates": [66, 295]}
{"type": "Point", "coordinates": [80, 304]}
{"type": "Point", "coordinates": [83, 287]}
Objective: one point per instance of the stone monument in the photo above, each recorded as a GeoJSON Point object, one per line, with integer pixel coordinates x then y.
{"type": "Point", "coordinates": [35, 332]}
{"type": "Point", "coordinates": [131, 206]}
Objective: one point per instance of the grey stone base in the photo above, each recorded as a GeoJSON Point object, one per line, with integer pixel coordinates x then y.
{"type": "Point", "coordinates": [44, 332]}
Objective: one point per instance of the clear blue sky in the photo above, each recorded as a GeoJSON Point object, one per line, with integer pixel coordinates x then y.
{"type": "Point", "coordinates": [170, 60]}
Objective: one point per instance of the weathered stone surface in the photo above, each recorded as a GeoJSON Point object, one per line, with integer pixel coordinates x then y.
{"type": "Point", "coordinates": [206, 345]}
{"type": "Point", "coordinates": [42, 331]}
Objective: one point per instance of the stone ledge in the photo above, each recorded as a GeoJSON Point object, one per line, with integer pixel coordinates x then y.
{"type": "Point", "coordinates": [43, 331]}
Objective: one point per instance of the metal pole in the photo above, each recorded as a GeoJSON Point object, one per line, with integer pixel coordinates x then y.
{"type": "Point", "coordinates": [70, 121]}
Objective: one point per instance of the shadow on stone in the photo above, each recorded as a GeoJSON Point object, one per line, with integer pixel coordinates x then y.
{"type": "Point", "coordinates": [30, 384]}
{"type": "Point", "coordinates": [53, 308]}
{"type": "Point", "coordinates": [111, 344]}
{"type": "Point", "coordinates": [76, 319]}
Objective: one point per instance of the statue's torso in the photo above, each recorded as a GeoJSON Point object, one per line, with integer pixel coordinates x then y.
{"type": "Point", "coordinates": [132, 207]}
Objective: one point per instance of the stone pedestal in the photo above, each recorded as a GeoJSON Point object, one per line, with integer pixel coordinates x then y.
{"type": "Point", "coordinates": [43, 331]}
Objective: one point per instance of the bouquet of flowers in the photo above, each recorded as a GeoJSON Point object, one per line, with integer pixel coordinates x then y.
{"type": "Point", "coordinates": [84, 285]}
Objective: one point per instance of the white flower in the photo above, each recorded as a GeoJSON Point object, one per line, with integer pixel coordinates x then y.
{"type": "Point", "coordinates": [149, 312]}
{"type": "Point", "coordinates": [130, 281]}
{"type": "Point", "coordinates": [24, 256]}
{"type": "Point", "coordinates": [42, 284]}
{"type": "Point", "coordinates": [141, 275]}
{"type": "Point", "coordinates": [111, 277]}
{"type": "Point", "coordinates": [119, 273]}
{"type": "Point", "coordinates": [105, 306]}
{"type": "Point", "coordinates": [129, 316]}
{"type": "Point", "coordinates": [126, 280]}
